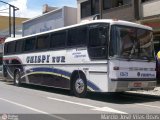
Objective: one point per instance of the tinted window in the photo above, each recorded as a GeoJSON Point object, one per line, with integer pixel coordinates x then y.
{"type": "Point", "coordinates": [19, 46]}
{"type": "Point", "coordinates": [30, 44]}
{"type": "Point", "coordinates": [1, 61]}
{"type": "Point", "coordinates": [5, 48]}
{"type": "Point", "coordinates": [11, 47]}
{"type": "Point", "coordinates": [58, 39]}
{"type": "Point", "coordinates": [77, 36]}
{"type": "Point", "coordinates": [108, 4]}
{"type": "Point", "coordinates": [90, 7]}
{"type": "Point", "coordinates": [146, 0]}
{"type": "Point", "coordinates": [43, 42]}
{"type": "Point", "coordinates": [95, 6]}
{"type": "Point", "coordinates": [98, 38]}
{"type": "Point", "coordinates": [85, 9]}
{"type": "Point", "coordinates": [113, 50]}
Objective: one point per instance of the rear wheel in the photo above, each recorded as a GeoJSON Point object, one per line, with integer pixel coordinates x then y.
{"type": "Point", "coordinates": [17, 79]}
{"type": "Point", "coordinates": [79, 86]}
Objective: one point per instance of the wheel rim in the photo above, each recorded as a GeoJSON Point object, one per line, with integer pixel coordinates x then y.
{"type": "Point", "coordinates": [17, 79]}
{"type": "Point", "coordinates": [79, 85]}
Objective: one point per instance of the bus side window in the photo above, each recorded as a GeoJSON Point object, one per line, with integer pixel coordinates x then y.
{"type": "Point", "coordinates": [77, 36]}
{"type": "Point", "coordinates": [19, 45]}
{"type": "Point", "coordinates": [58, 40]}
{"type": "Point", "coordinates": [5, 48]}
{"type": "Point", "coordinates": [11, 47]}
{"type": "Point", "coordinates": [30, 44]}
{"type": "Point", "coordinates": [98, 40]}
{"type": "Point", "coordinates": [43, 42]}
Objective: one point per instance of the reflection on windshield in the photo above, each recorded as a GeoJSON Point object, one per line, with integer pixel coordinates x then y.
{"type": "Point", "coordinates": [144, 38]}
{"type": "Point", "coordinates": [132, 43]}
{"type": "Point", "coordinates": [127, 37]}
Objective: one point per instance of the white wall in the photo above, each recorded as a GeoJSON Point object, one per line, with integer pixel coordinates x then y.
{"type": "Point", "coordinates": [43, 23]}
{"type": "Point", "coordinates": [70, 16]}
{"type": "Point", "coordinates": [55, 19]}
{"type": "Point", "coordinates": [150, 8]}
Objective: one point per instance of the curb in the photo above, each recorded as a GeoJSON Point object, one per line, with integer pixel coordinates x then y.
{"type": "Point", "coordinates": [147, 96]}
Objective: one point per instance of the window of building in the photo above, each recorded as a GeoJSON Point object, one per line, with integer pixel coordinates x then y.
{"type": "Point", "coordinates": [19, 46]}
{"type": "Point", "coordinates": [108, 4]}
{"type": "Point", "coordinates": [145, 1]}
{"type": "Point", "coordinates": [95, 7]}
{"type": "Point", "coordinates": [90, 7]}
{"type": "Point", "coordinates": [77, 36]}
{"type": "Point", "coordinates": [85, 9]}
{"type": "Point", "coordinates": [43, 42]}
{"type": "Point", "coordinates": [30, 44]}
{"type": "Point", "coordinates": [58, 39]}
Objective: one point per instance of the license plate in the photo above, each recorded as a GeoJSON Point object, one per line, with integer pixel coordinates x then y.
{"type": "Point", "coordinates": [135, 85]}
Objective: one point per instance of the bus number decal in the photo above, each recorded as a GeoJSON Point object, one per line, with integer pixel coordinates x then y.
{"type": "Point", "coordinates": [124, 74]}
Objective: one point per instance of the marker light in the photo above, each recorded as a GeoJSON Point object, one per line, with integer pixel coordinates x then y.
{"type": "Point", "coordinates": [116, 68]}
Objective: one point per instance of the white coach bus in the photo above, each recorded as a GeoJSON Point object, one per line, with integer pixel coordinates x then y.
{"type": "Point", "coordinates": [98, 56]}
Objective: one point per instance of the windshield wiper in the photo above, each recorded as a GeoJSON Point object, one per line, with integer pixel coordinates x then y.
{"type": "Point", "coordinates": [132, 52]}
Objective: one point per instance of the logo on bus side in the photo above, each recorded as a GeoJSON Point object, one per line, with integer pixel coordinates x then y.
{"type": "Point", "coordinates": [138, 74]}
{"type": "Point", "coordinates": [145, 74]}
{"type": "Point", "coordinates": [45, 59]}
{"type": "Point", "coordinates": [78, 55]}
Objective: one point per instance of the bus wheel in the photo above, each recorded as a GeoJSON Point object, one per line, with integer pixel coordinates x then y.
{"type": "Point", "coordinates": [17, 81]}
{"type": "Point", "coordinates": [79, 86]}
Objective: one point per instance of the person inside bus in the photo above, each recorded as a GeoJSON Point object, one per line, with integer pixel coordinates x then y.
{"type": "Point", "coordinates": [129, 42]}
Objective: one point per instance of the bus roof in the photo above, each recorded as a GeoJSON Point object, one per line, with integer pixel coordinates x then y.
{"type": "Point", "coordinates": [110, 21]}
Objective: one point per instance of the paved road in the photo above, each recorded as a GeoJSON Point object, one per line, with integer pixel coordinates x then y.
{"type": "Point", "coordinates": [55, 103]}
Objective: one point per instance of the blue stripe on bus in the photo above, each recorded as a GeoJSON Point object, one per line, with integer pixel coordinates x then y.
{"type": "Point", "coordinates": [65, 73]}
{"type": "Point", "coordinates": [92, 85]}
{"type": "Point", "coordinates": [54, 70]}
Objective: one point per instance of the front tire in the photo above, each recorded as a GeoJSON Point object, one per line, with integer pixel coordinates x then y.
{"type": "Point", "coordinates": [79, 86]}
{"type": "Point", "coordinates": [17, 79]}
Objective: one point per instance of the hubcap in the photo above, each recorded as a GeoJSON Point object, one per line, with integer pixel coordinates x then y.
{"type": "Point", "coordinates": [79, 85]}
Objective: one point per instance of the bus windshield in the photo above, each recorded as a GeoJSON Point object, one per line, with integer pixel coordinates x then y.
{"type": "Point", "coordinates": [131, 42]}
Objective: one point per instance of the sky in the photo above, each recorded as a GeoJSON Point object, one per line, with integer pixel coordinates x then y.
{"type": "Point", "coordinates": [33, 8]}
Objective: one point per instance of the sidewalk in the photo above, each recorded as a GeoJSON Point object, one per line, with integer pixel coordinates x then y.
{"type": "Point", "coordinates": [155, 92]}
